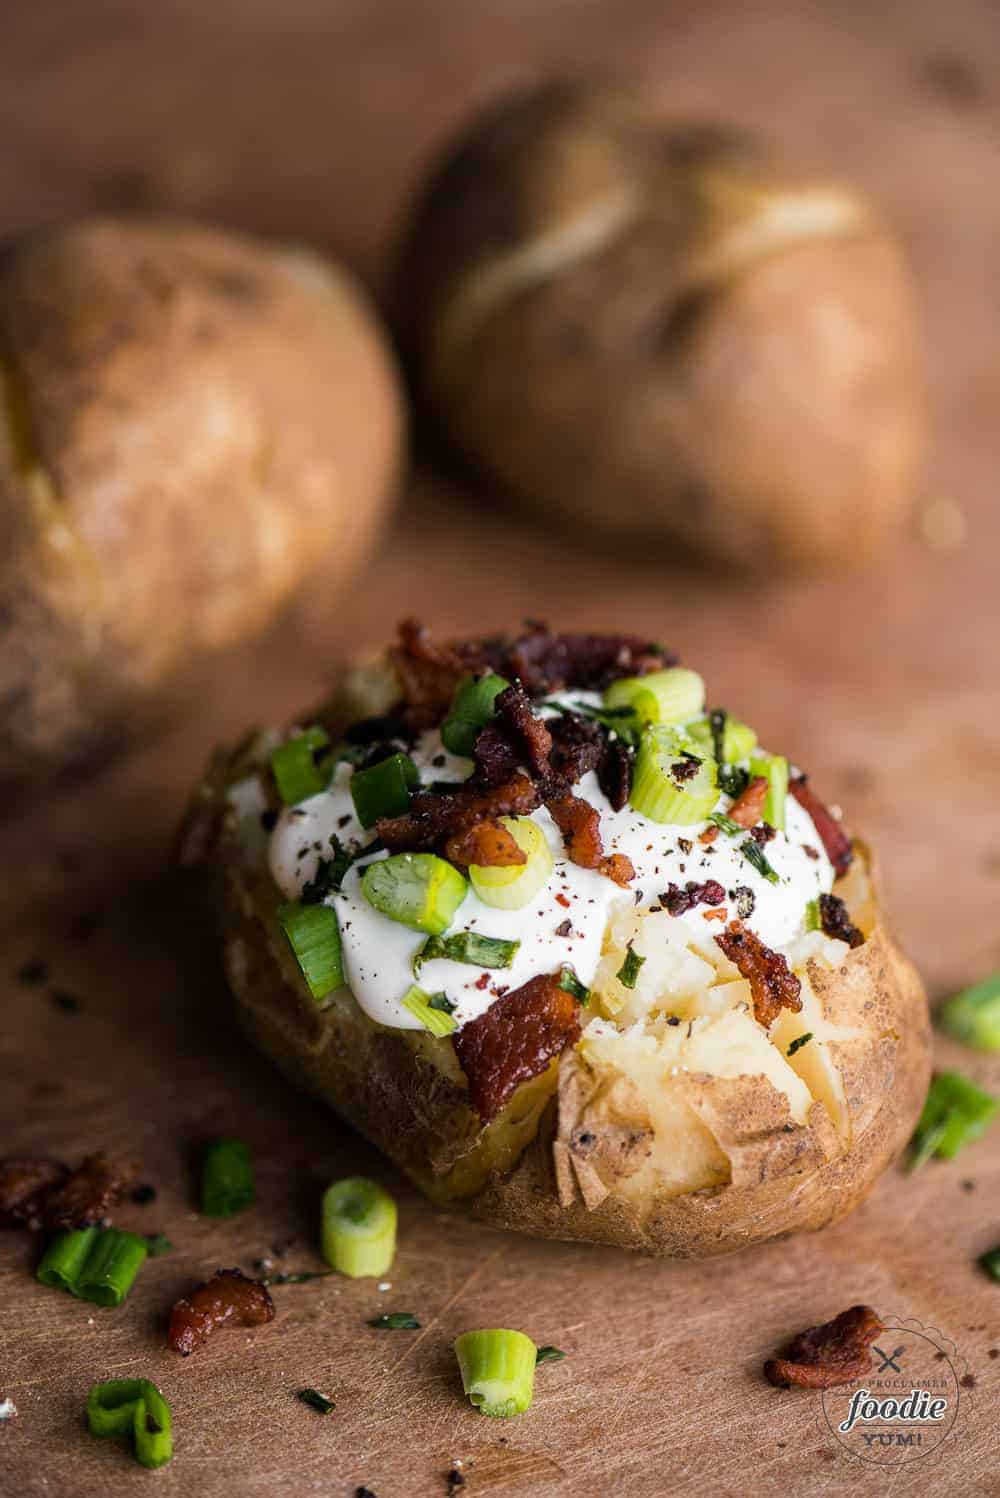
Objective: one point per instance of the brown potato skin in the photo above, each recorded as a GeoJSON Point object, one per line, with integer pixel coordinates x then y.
{"type": "Point", "coordinates": [761, 403]}
{"type": "Point", "coordinates": [190, 424]}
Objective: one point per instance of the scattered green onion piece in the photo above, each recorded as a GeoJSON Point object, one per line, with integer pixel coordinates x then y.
{"type": "Point", "coordinates": [297, 1277]}
{"type": "Point", "coordinates": [515, 885]}
{"type": "Point", "coordinates": [329, 875]}
{"type": "Point", "coordinates": [358, 1227]}
{"type": "Point", "coordinates": [395, 1321]}
{"type": "Point", "coordinates": [419, 890]}
{"type": "Point", "coordinates": [226, 1179]}
{"type": "Point", "coordinates": [133, 1406]}
{"type": "Point", "coordinates": [658, 793]}
{"type": "Point", "coordinates": [571, 983]}
{"type": "Point", "coordinates": [989, 1262]}
{"type": "Point", "coordinates": [314, 936]}
{"type": "Point", "coordinates": [64, 1258]}
{"type": "Point", "coordinates": [628, 973]}
{"type": "Point", "coordinates": [316, 1401]}
{"type": "Point", "coordinates": [498, 1370]}
{"type": "Point", "coordinates": [294, 767]}
{"type": "Point", "coordinates": [384, 789]}
{"type": "Point", "coordinates": [774, 768]}
{"type": "Point", "coordinates": [158, 1244]}
{"type": "Point", "coordinates": [432, 1016]}
{"type": "Point", "coordinates": [472, 707]}
{"type": "Point", "coordinates": [799, 1042]}
{"type": "Point", "coordinates": [549, 1354]}
{"type": "Point", "coordinates": [813, 919]}
{"type": "Point", "coordinates": [468, 946]}
{"type": "Point", "coordinates": [109, 1271]}
{"type": "Point", "coordinates": [670, 696]}
{"type": "Point", "coordinates": [732, 744]}
{"type": "Point", "coordinates": [727, 825]}
{"type": "Point", "coordinates": [754, 854]}
{"type": "Point", "coordinates": [973, 1016]}
{"type": "Point", "coordinates": [956, 1112]}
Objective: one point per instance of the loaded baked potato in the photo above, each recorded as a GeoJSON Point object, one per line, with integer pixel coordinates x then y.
{"type": "Point", "coordinates": [575, 952]}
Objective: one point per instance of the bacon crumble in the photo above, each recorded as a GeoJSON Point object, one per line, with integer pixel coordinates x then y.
{"type": "Point", "coordinates": [835, 921]}
{"type": "Point", "coordinates": [514, 1040]}
{"type": "Point", "coordinates": [47, 1194]}
{"type": "Point", "coordinates": [678, 901]}
{"type": "Point", "coordinates": [487, 844]}
{"type": "Point", "coordinates": [434, 816]}
{"type": "Point", "coordinates": [824, 1356]}
{"type": "Point", "coordinates": [772, 983]}
{"type": "Point", "coordinates": [228, 1295]}
{"type": "Point", "coordinates": [748, 808]}
{"type": "Point", "coordinates": [836, 843]}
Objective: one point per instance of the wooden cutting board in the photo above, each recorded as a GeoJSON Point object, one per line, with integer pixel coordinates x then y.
{"type": "Point", "coordinates": [886, 685]}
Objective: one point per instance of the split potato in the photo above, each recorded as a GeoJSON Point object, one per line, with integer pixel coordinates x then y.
{"type": "Point", "coordinates": [191, 423]}
{"type": "Point", "coordinates": [642, 325]}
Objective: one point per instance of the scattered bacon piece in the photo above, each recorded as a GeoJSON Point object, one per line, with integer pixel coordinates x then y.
{"type": "Point", "coordinates": [748, 808]}
{"type": "Point", "coordinates": [47, 1194]}
{"type": "Point", "coordinates": [23, 1187]}
{"type": "Point", "coordinates": [529, 734]}
{"type": "Point", "coordinates": [763, 833]}
{"type": "Point", "coordinates": [833, 837]}
{"type": "Point", "coordinates": [618, 867]}
{"type": "Point", "coordinates": [427, 673]}
{"type": "Point", "coordinates": [614, 773]}
{"type": "Point", "coordinates": [228, 1294]}
{"type": "Point", "coordinates": [835, 1353]}
{"type": "Point", "coordinates": [719, 914]}
{"type": "Point", "coordinates": [836, 921]}
{"type": "Point", "coordinates": [580, 824]}
{"type": "Point", "coordinates": [708, 837]}
{"type": "Point", "coordinates": [487, 844]}
{"type": "Point", "coordinates": [772, 983]}
{"type": "Point", "coordinates": [579, 744]}
{"type": "Point", "coordinates": [433, 816]}
{"type": "Point", "coordinates": [678, 901]}
{"type": "Point", "coordinates": [514, 1040]}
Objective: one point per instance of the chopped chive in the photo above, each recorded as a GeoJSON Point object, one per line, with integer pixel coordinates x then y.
{"type": "Point", "coordinates": [754, 854]}
{"type": "Point", "coordinates": [498, 1370]}
{"type": "Point", "coordinates": [316, 1401]}
{"type": "Point", "coordinates": [813, 920]}
{"type": "Point", "coordinates": [571, 983]}
{"type": "Point", "coordinates": [294, 767]}
{"type": "Point", "coordinates": [629, 971]}
{"type": "Point", "coordinates": [299, 1277]}
{"type": "Point", "coordinates": [973, 1016]}
{"type": "Point", "coordinates": [358, 1224]}
{"type": "Point", "coordinates": [95, 1264]}
{"type": "Point", "coordinates": [956, 1112]}
{"type": "Point", "coordinates": [419, 890]}
{"type": "Point", "coordinates": [549, 1354]}
{"type": "Point", "coordinates": [226, 1179]}
{"type": "Point", "coordinates": [799, 1042]}
{"type": "Point", "coordinates": [733, 829]}
{"type": "Point", "coordinates": [329, 875]}
{"type": "Point", "coordinates": [472, 707]}
{"type": "Point", "coordinates": [989, 1262]}
{"type": "Point", "coordinates": [314, 936]}
{"type": "Point", "coordinates": [133, 1407]}
{"type": "Point", "coordinates": [384, 789]}
{"type": "Point", "coordinates": [468, 946]}
{"type": "Point", "coordinates": [434, 1011]}
{"type": "Point", "coordinates": [395, 1321]}
{"type": "Point", "coordinates": [158, 1244]}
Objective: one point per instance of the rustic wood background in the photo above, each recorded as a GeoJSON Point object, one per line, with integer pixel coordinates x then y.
{"type": "Point", "coordinates": [315, 120]}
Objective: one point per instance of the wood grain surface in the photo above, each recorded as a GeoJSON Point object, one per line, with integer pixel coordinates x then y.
{"type": "Point", "coordinates": [313, 121]}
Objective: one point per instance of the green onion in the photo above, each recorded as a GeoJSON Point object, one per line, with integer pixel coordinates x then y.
{"type": "Point", "coordinates": [316, 1401]}
{"type": "Point", "coordinates": [956, 1112]}
{"type": "Point", "coordinates": [472, 707]}
{"type": "Point", "coordinates": [670, 696]}
{"type": "Point", "coordinates": [813, 919]}
{"type": "Point", "coordinates": [384, 790]}
{"type": "Point", "coordinates": [665, 793]}
{"type": "Point", "coordinates": [468, 946]}
{"type": "Point", "coordinates": [226, 1179]}
{"type": "Point", "coordinates": [314, 936]}
{"type": "Point", "coordinates": [754, 854]}
{"type": "Point", "coordinates": [515, 885]}
{"type": "Point", "coordinates": [329, 875]}
{"type": "Point", "coordinates": [294, 767]}
{"type": "Point", "coordinates": [95, 1264]}
{"type": "Point", "coordinates": [158, 1244]}
{"type": "Point", "coordinates": [799, 1042]}
{"type": "Point", "coordinates": [571, 983]}
{"type": "Point", "coordinates": [417, 889]}
{"type": "Point", "coordinates": [395, 1321]}
{"type": "Point", "coordinates": [549, 1354]}
{"type": "Point", "coordinates": [358, 1227]}
{"type": "Point", "coordinates": [733, 829]}
{"type": "Point", "coordinates": [973, 1016]}
{"type": "Point", "coordinates": [498, 1370]}
{"type": "Point", "coordinates": [731, 741]}
{"type": "Point", "coordinates": [989, 1262]}
{"type": "Point", "coordinates": [774, 768]}
{"type": "Point", "coordinates": [135, 1407]}
{"type": "Point", "coordinates": [629, 970]}
{"type": "Point", "coordinates": [432, 1015]}
{"type": "Point", "coordinates": [297, 1277]}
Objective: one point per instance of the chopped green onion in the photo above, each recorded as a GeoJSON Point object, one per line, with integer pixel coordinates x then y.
{"type": "Point", "coordinates": [670, 696]}
{"type": "Point", "coordinates": [754, 854]}
{"type": "Point", "coordinates": [571, 983]}
{"type": "Point", "coordinates": [629, 971]}
{"type": "Point", "coordinates": [135, 1407]}
{"type": "Point", "coordinates": [472, 707]}
{"type": "Point", "coordinates": [468, 946]}
{"type": "Point", "coordinates": [226, 1179]}
{"type": "Point", "coordinates": [548, 1354]}
{"type": "Point", "coordinates": [813, 919]}
{"type": "Point", "coordinates": [329, 875]}
{"type": "Point", "coordinates": [729, 742]}
{"type": "Point", "coordinates": [498, 1370]}
{"type": "Point", "coordinates": [989, 1262]}
{"type": "Point", "coordinates": [419, 890]}
{"type": "Point", "coordinates": [95, 1264]}
{"type": "Point", "coordinates": [395, 1321]}
{"type": "Point", "coordinates": [774, 768]}
{"type": "Point", "coordinates": [515, 885]}
{"type": "Point", "coordinates": [316, 1401]}
{"type": "Point", "coordinates": [664, 788]}
{"type": "Point", "coordinates": [314, 936]}
{"type": "Point", "coordinates": [432, 1015]}
{"type": "Point", "coordinates": [297, 1277]}
{"type": "Point", "coordinates": [64, 1258]}
{"type": "Point", "coordinates": [383, 790]}
{"type": "Point", "coordinates": [358, 1227]}
{"type": "Point", "coordinates": [158, 1244]}
{"type": "Point", "coordinates": [727, 825]}
{"type": "Point", "coordinates": [799, 1042]}
{"type": "Point", "coordinates": [956, 1112]}
{"type": "Point", "coordinates": [973, 1016]}
{"type": "Point", "coordinates": [294, 767]}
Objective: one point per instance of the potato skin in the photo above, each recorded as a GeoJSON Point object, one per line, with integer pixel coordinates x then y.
{"type": "Point", "coordinates": [190, 423]}
{"type": "Point", "coordinates": [636, 324]}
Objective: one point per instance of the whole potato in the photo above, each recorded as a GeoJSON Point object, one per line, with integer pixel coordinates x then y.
{"type": "Point", "coordinates": [638, 325]}
{"type": "Point", "coordinates": [190, 424]}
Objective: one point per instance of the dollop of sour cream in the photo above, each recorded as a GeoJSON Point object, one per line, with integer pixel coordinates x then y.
{"type": "Point", "coordinates": [567, 920]}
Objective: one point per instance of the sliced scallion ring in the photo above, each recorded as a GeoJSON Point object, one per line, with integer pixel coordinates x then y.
{"type": "Point", "coordinates": [419, 890]}
{"type": "Point", "coordinates": [437, 1017]}
{"type": "Point", "coordinates": [673, 695]}
{"type": "Point", "coordinates": [294, 767]}
{"type": "Point", "coordinates": [314, 936]}
{"type": "Point", "coordinates": [133, 1407]}
{"type": "Point", "coordinates": [473, 705]}
{"type": "Point", "coordinates": [358, 1227]}
{"type": "Point", "coordinates": [674, 782]}
{"type": "Point", "coordinates": [498, 1370]}
{"type": "Point", "coordinates": [738, 741]}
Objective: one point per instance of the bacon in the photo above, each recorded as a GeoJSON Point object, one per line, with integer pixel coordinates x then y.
{"type": "Point", "coordinates": [580, 824]}
{"type": "Point", "coordinates": [527, 733]}
{"type": "Point", "coordinates": [618, 867]}
{"type": "Point", "coordinates": [836, 921]}
{"type": "Point", "coordinates": [514, 1040]}
{"type": "Point", "coordinates": [772, 983]}
{"type": "Point", "coordinates": [487, 844]}
{"type": "Point", "coordinates": [23, 1187]}
{"type": "Point", "coordinates": [835, 1353]}
{"type": "Point", "coordinates": [433, 817]}
{"type": "Point", "coordinates": [427, 673]}
{"type": "Point", "coordinates": [748, 808]}
{"type": "Point", "coordinates": [228, 1295]}
{"type": "Point", "coordinates": [579, 744]}
{"type": "Point", "coordinates": [614, 773]}
{"type": "Point", "coordinates": [833, 837]}
{"type": "Point", "coordinates": [678, 901]}
{"type": "Point", "coordinates": [47, 1194]}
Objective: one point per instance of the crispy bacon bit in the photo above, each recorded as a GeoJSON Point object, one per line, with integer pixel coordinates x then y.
{"type": "Point", "coordinates": [228, 1295]}
{"type": "Point", "coordinates": [835, 1353]}
{"type": "Point", "coordinates": [580, 824]}
{"type": "Point", "coordinates": [748, 808]}
{"type": "Point", "coordinates": [515, 1040]}
{"type": "Point", "coordinates": [579, 744]}
{"type": "Point", "coordinates": [547, 662]}
{"type": "Point", "coordinates": [763, 833]}
{"type": "Point", "coordinates": [836, 921]}
{"type": "Point", "coordinates": [23, 1187]}
{"type": "Point", "coordinates": [708, 837]}
{"type": "Point", "coordinates": [686, 768]}
{"type": "Point", "coordinates": [433, 817]}
{"type": "Point", "coordinates": [714, 915]}
{"type": "Point", "coordinates": [528, 733]}
{"type": "Point", "coordinates": [833, 837]}
{"type": "Point", "coordinates": [678, 901]}
{"type": "Point", "coordinates": [617, 867]}
{"type": "Point", "coordinates": [487, 844]}
{"type": "Point", "coordinates": [772, 983]}
{"type": "Point", "coordinates": [427, 673]}
{"type": "Point", "coordinates": [614, 773]}
{"type": "Point", "coordinates": [47, 1194]}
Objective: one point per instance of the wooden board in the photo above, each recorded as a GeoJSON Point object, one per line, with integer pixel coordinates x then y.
{"type": "Point", "coordinates": [313, 121]}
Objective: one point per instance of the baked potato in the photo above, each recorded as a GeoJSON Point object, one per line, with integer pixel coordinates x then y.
{"type": "Point", "coordinates": [643, 325]}
{"type": "Point", "coordinates": [190, 424]}
{"type": "Point", "coordinates": [578, 955]}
